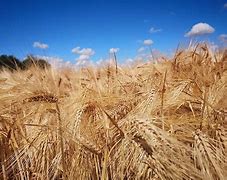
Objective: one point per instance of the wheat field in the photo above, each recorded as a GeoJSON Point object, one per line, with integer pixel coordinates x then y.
{"type": "Point", "coordinates": [165, 120]}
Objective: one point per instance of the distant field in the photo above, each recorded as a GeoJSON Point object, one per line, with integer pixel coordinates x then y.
{"type": "Point", "coordinates": [165, 120]}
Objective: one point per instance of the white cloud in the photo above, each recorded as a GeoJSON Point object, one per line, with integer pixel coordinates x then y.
{"type": "Point", "coordinates": [225, 5]}
{"type": "Point", "coordinates": [200, 29]}
{"type": "Point", "coordinates": [76, 50]}
{"type": "Point", "coordinates": [153, 30]}
{"type": "Point", "coordinates": [223, 38]}
{"type": "Point", "coordinates": [129, 60]}
{"type": "Point", "coordinates": [84, 51]}
{"type": "Point", "coordinates": [102, 61]}
{"type": "Point", "coordinates": [114, 50]}
{"type": "Point", "coordinates": [40, 45]}
{"type": "Point", "coordinates": [81, 61]}
{"type": "Point", "coordinates": [84, 55]}
{"type": "Point", "coordinates": [141, 49]}
{"type": "Point", "coordinates": [148, 42]}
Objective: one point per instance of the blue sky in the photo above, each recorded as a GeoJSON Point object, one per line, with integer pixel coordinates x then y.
{"type": "Point", "coordinates": [62, 25]}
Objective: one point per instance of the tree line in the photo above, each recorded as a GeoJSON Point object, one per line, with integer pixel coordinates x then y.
{"type": "Point", "coordinates": [12, 63]}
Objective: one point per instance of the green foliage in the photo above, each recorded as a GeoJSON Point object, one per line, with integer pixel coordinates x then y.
{"type": "Point", "coordinates": [33, 61]}
{"type": "Point", "coordinates": [10, 62]}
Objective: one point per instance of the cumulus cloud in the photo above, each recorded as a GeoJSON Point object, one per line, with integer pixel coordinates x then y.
{"type": "Point", "coordinates": [223, 38]}
{"type": "Point", "coordinates": [84, 51]}
{"type": "Point", "coordinates": [100, 61]}
{"type": "Point", "coordinates": [200, 29]}
{"type": "Point", "coordinates": [114, 50]}
{"type": "Point", "coordinates": [153, 30]}
{"type": "Point", "coordinates": [84, 54]}
{"type": "Point", "coordinates": [83, 57]}
{"type": "Point", "coordinates": [148, 42]}
{"type": "Point", "coordinates": [40, 45]}
{"type": "Point", "coordinates": [141, 49]}
{"type": "Point", "coordinates": [129, 60]}
{"type": "Point", "coordinates": [225, 5]}
{"type": "Point", "coordinates": [82, 60]}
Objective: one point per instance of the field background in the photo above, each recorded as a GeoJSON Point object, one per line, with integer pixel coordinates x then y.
{"type": "Point", "coordinates": [164, 120]}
